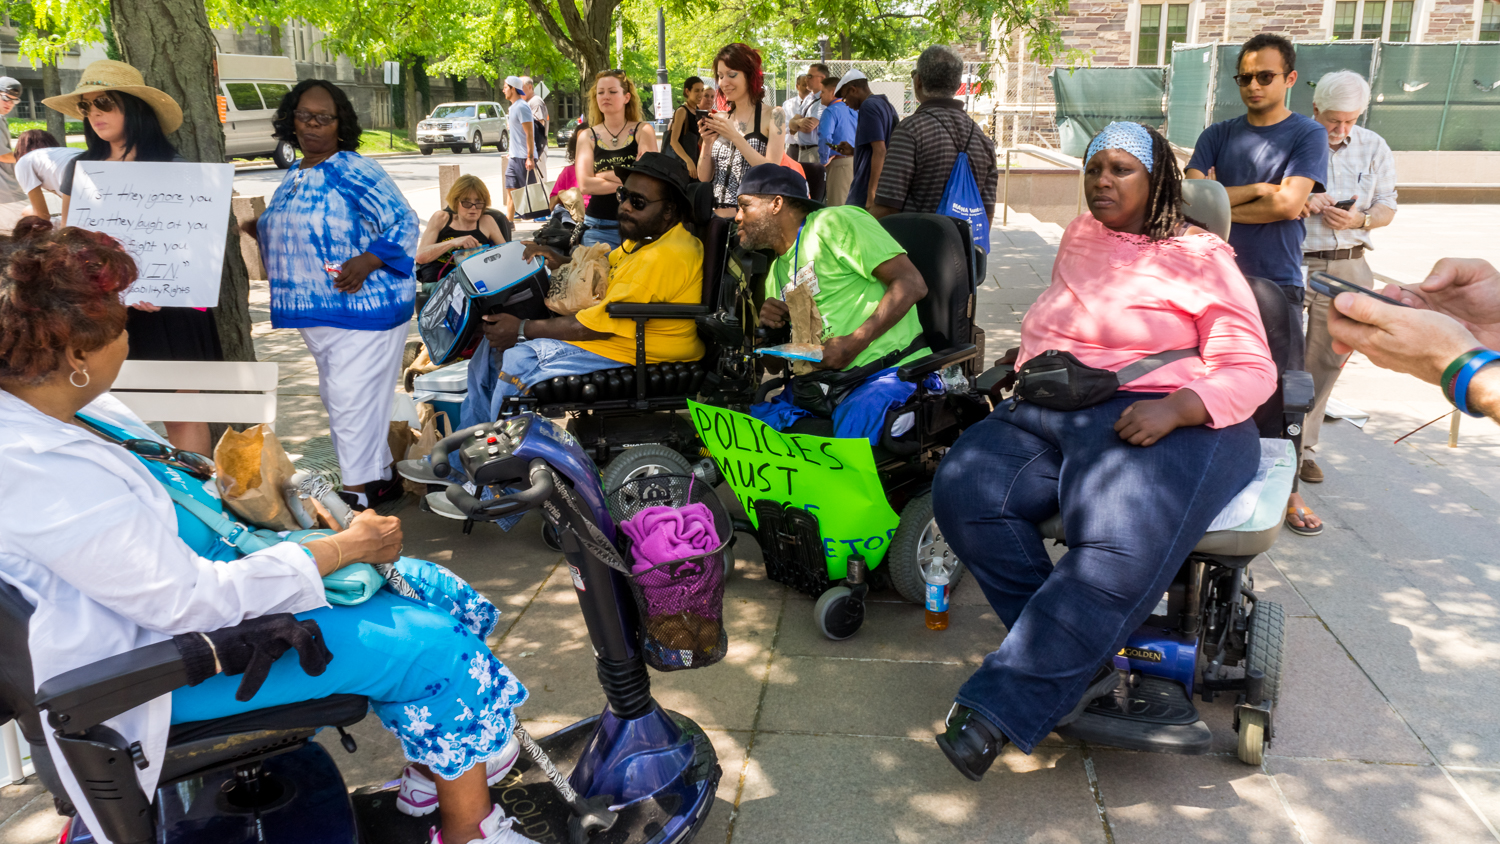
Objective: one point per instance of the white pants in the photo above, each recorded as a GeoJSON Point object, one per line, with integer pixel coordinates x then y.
{"type": "Point", "coordinates": [357, 373]}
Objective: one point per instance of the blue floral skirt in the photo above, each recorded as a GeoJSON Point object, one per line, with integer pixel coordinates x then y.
{"type": "Point", "coordinates": [425, 667]}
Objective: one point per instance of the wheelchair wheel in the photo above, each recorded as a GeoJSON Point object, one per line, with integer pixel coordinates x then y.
{"type": "Point", "coordinates": [550, 537]}
{"type": "Point", "coordinates": [917, 541]}
{"type": "Point", "coordinates": [1252, 744]}
{"type": "Point", "coordinates": [643, 461]}
{"type": "Point", "coordinates": [1263, 645]}
{"type": "Point", "coordinates": [837, 614]}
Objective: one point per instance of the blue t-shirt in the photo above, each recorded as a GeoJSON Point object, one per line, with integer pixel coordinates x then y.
{"type": "Point", "coordinates": [836, 126]}
{"type": "Point", "coordinates": [1245, 155]}
{"type": "Point", "coordinates": [520, 113]}
{"type": "Point", "coordinates": [877, 118]}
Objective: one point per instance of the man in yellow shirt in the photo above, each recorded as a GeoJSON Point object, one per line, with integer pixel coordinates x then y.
{"type": "Point", "coordinates": [659, 262]}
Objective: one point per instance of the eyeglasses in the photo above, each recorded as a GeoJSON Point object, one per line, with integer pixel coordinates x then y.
{"type": "Point", "coordinates": [10, 96]}
{"type": "Point", "coordinates": [636, 201]}
{"type": "Point", "coordinates": [476, 205]}
{"type": "Point", "coordinates": [105, 104]}
{"type": "Point", "coordinates": [194, 464]}
{"type": "Point", "coordinates": [1264, 77]}
{"type": "Point", "coordinates": [311, 118]}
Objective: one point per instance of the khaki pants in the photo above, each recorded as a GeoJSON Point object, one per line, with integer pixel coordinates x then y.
{"type": "Point", "coordinates": [1322, 362]}
{"type": "Point", "coordinates": [839, 176]}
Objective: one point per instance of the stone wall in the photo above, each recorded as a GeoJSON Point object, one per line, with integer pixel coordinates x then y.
{"type": "Point", "coordinates": [1450, 20]}
{"type": "Point", "coordinates": [1098, 26]}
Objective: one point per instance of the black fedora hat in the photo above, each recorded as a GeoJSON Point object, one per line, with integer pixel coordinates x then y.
{"type": "Point", "coordinates": [659, 165]}
{"type": "Point", "coordinates": [776, 180]}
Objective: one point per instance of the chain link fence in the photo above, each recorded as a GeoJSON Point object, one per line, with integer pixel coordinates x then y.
{"type": "Point", "coordinates": [1012, 101]}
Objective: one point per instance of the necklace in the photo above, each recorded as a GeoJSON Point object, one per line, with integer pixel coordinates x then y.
{"type": "Point", "coordinates": [614, 137]}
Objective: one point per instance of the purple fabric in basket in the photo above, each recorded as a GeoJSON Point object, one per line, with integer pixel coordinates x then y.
{"type": "Point", "coordinates": [662, 534]}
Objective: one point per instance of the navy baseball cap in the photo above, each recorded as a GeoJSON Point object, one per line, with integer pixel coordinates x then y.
{"type": "Point", "coordinates": [776, 180]}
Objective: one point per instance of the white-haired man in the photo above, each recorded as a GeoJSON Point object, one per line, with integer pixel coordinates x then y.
{"type": "Point", "coordinates": [1360, 196]}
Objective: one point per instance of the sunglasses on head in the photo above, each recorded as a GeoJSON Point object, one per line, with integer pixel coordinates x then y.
{"type": "Point", "coordinates": [1264, 77]}
{"type": "Point", "coordinates": [310, 118]}
{"type": "Point", "coordinates": [636, 201]}
{"type": "Point", "coordinates": [197, 465]}
{"type": "Point", "coordinates": [105, 104]}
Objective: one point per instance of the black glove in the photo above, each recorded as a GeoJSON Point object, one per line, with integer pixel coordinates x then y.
{"type": "Point", "coordinates": [250, 648]}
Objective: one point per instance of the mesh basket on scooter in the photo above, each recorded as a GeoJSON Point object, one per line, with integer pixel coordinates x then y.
{"type": "Point", "coordinates": [681, 601]}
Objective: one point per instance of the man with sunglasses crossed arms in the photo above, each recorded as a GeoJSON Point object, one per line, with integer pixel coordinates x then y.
{"type": "Point", "coordinates": [660, 261]}
{"type": "Point", "coordinates": [1269, 160]}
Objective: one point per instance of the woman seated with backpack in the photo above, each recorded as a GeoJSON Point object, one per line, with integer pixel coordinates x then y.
{"type": "Point", "coordinates": [1138, 476]}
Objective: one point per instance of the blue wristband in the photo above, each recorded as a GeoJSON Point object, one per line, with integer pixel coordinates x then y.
{"type": "Point", "coordinates": [1465, 375]}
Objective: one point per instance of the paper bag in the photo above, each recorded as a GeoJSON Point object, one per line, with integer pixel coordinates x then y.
{"type": "Point", "coordinates": [435, 426]}
{"type": "Point", "coordinates": [807, 323]}
{"type": "Point", "coordinates": [582, 282]}
{"type": "Point", "coordinates": [400, 439]}
{"type": "Point", "coordinates": [252, 470]}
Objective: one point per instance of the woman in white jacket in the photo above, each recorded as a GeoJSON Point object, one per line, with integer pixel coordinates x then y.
{"type": "Point", "coordinates": [90, 537]}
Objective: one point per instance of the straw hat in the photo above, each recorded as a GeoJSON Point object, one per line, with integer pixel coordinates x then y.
{"type": "Point", "coordinates": [106, 75]}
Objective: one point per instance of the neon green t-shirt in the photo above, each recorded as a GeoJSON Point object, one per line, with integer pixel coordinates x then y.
{"type": "Point", "coordinates": [837, 252]}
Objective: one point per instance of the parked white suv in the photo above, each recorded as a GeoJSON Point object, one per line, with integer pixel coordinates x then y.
{"type": "Point", "coordinates": [461, 126]}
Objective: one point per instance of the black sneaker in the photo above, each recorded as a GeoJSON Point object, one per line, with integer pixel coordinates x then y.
{"type": "Point", "coordinates": [376, 494]}
{"type": "Point", "coordinates": [971, 742]}
{"type": "Point", "coordinates": [1106, 680]}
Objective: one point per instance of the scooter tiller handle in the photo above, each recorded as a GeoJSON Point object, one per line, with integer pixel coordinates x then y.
{"type": "Point", "coordinates": [452, 442]}
{"type": "Point", "coordinates": [540, 490]}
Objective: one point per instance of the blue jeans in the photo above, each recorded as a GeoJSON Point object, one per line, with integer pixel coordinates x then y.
{"type": "Point", "coordinates": [522, 365]}
{"type": "Point", "coordinates": [1131, 515]}
{"type": "Point", "coordinates": [601, 231]}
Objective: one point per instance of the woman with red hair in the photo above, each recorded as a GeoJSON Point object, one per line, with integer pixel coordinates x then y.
{"type": "Point", "coordinates": [734, 136]}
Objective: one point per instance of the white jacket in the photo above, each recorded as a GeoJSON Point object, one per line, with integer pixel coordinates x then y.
{"type": "Point", "coordinates": [89, 537]}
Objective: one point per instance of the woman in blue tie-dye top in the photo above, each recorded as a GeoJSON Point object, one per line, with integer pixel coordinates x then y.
{"type": "Point", "coordinates": [338, 240]}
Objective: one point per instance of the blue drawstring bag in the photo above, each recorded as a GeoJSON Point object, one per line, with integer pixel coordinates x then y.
{"type": "Point", "coordinates": [961, 197]}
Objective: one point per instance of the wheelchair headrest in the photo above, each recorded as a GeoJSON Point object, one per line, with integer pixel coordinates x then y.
{"type": "Point", "coordinates": [700, 204]}
{"type": "Point", "coordinates": [941, 248]}
{"type": "Point", "coordinates": [1206, 203]}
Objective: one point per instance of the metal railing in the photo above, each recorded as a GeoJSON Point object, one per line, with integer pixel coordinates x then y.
{"type": "Point", "coordinates": [1051, 156]}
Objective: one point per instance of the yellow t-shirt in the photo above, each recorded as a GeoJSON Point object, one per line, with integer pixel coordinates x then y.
{"type": "Point", "coordinates": [667, 271]}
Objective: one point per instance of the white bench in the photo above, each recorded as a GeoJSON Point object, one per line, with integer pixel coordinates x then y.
{"type": "Point", "coordinates": [244, 391]}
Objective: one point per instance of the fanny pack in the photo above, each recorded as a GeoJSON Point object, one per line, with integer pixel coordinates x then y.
{"type": "Point", "coordinates": [821, 392]}
{"type": "Point", "coordinates": [1059, 381]}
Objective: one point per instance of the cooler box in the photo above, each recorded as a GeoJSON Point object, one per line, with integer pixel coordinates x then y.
{"type": "Point", "coordinates": [444, 389]}
{"type": "Point", "coordinates": [494, 280]}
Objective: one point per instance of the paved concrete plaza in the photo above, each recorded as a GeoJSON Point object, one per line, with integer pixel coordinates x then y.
{"type": "Point", "coordinates": [1387, 728]}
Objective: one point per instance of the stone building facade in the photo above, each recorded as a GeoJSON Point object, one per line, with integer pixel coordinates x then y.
{"type": "Point", "coordinates": [1142, 32]}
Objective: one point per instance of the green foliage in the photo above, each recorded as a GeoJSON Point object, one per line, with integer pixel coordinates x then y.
{"type": "Point", "coordinates": [45, 29]}
{"type": "Point", "coordinates": [371, 141]}
{"type": "Point", "coordinates": [17, 126]}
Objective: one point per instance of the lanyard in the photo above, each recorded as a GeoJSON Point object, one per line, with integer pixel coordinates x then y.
{"type": "Point", "coordinates": [796, 250]}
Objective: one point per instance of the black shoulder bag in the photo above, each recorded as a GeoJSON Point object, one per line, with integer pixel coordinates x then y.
{"type": "Point", "coordinates": [1059, 381]}
{"type": "Point", "coordinates": [821, 392]}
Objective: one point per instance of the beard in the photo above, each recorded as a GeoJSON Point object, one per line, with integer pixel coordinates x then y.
{"type": "Point", "coordinates": [758, 233]}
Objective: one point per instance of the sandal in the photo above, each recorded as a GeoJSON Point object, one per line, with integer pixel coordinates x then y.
{"type": "Point", "coordinates": [1301, 513]}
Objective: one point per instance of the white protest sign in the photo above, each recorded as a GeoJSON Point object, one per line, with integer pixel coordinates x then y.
{"type": "Point", "coordinates": [171, 217]}
{"type": "Point", "coordinates": [661, 97]}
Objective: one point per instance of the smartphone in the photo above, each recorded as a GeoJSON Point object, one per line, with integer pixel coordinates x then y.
{"type": "Point", "coordinates": [1345, 205]}
{"type": "Point", "coordinates": [1331, 286]}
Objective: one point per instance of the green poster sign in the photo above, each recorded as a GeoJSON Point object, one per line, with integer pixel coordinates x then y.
{"type": "Point", "coordinates": [833, 479]}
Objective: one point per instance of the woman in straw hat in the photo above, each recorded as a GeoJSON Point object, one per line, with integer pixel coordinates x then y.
{"type": "Point", "coordinates": [124, 119]}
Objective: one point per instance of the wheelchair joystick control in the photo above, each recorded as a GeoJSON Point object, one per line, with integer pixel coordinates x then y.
{"type": "Point", "coordinates": [347, 741]}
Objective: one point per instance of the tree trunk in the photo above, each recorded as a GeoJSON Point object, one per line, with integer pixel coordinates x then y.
{"type": "Point", "coordinates": [583, 39]}
{"type": "Point", "coordinates": [846, 49]}
{"type": "Point", "coordinates": [52, 87]}
{"type": "Point", "coordinates": [424, 85]}
{"type": "Point", "coordinates": [413, 96]}
{"type": "Point", "coordinates": [170, 43]}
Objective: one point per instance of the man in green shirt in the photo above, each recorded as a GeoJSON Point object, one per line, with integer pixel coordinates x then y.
{"type": "Point", "coordinates": [861, 280]}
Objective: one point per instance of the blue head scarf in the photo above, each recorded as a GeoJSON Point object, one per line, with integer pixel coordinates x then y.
{"type": "Point", "coordinates": [1131, 137]}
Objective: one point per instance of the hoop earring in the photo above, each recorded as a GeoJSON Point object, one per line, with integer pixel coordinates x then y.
{"type": "Point", "coordinates": [85, 378]}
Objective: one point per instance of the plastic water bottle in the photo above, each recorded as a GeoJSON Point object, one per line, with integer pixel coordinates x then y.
{"type": "Point", "coordinates": [937, 577]}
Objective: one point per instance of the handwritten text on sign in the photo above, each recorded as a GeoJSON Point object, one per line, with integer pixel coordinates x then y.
{"type": "Point", "coordinates": [834, 479]}
{"type": "Point", "coordinates": [170, 216]}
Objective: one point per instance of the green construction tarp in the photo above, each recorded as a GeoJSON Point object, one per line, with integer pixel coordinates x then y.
{"type": "Point", "coordinates": [1438, 96]}
{"type": "Point", "coordinates": [1090, 98]}
{"type": "Point", "coordinates": [1314, 59]}
{"type": "Point", "coordinates": [1190, 86]}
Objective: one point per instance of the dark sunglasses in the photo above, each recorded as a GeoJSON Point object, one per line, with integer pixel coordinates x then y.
{"type": "Point", "coordinates": [105, 104]}
{"type": "Point", "coordinates": [476, 205]}
{"type": "Point", "coordinates": [313, 119]}
{"type": "Point", "coordinates": [194, 464]}
{"type": "Point", "coordinates": [636, 201]}
{"type": "Point", "coordinates": [1264, 77]}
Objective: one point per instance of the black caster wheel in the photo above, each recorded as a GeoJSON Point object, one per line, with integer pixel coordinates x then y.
{"type": "Point", "coordinates": [839, 613]}
{"type": "Point", "coordinates": [550, 537]}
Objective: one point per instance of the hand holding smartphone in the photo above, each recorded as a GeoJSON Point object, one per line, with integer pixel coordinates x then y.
{"type": "Point", "coordinates": [1332, 286]}
{"type": "Point", "coordinates": [1345, 205]}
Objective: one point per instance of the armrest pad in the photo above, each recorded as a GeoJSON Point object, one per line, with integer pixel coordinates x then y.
{"type": "Point", "coordinates": [87, 696]}
{"type": "Point", "coordinates": [1297, 391]}
{"type": "Point", "coordinates": [923, 366]}
{"type": "Point", "coordinates": [655, 310]}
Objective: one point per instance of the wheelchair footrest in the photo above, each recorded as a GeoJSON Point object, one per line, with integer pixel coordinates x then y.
{"type": "Point", "coordinates": [1149, 714]}
{"type": "Point", "coordinates": [792, 544]}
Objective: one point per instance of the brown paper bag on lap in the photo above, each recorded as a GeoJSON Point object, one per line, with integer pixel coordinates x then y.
{"type": "Point", "coordinates": [807, 323]}
{"type": "Point", "coordinates": [252, 470]}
